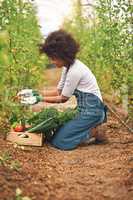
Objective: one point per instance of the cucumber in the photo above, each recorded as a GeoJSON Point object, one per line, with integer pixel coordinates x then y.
{"type": "Point", "coordinates": [40, 126]}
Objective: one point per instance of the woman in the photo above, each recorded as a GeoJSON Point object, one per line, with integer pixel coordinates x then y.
{"type": "Point", "coordinates": [76, 79]}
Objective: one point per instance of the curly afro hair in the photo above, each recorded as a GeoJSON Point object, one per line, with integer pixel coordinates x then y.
{"type": "Point", "coordinates": [61, 45]}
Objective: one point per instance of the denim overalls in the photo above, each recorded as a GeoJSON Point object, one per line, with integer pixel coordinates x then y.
{"type": "Point", "coordinates": [91, 113]}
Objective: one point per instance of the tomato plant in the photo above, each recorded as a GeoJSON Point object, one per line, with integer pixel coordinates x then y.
{"type": "Point", "coordinates": [106, 42]}
{"type": "Point", "coordinates": [20, 63]}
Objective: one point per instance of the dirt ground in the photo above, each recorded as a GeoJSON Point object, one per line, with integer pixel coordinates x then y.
{"type": "Point", "coordinates": [90, 172]}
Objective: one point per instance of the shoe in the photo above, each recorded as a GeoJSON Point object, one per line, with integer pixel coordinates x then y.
{"type": "Point", "coordinates": [101, 141]}
{"type": "Point", "coordinates": [98, 134]}
{"type": "Point", "coordinates": [89, 141]}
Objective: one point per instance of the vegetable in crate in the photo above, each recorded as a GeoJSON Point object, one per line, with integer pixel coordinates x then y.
{"type": "Point", "coordinates": [17, 124]}
{"type": "Point", "coordinates": [19, 128]}
{"type": "Point", "coordinates": [50, 119]}
{"type": "Point", "coordinates": [67, 115]}
{"type": "Point", "coordinates": [50, 114]}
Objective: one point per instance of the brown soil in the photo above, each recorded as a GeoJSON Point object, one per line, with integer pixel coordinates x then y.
{"type": "Point", "coordinates": [91, 172]}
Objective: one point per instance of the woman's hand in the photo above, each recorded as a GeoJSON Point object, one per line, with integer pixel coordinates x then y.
{"type": "Point", "coordinates": [27, 93]}
{"type": "Point", "coordinates": [31, 100]}
{"type": "Point", "coordinates": [28, 97]}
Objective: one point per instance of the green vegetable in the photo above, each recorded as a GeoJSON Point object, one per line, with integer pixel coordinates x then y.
{"type": "Point", "coordinates": [40, 126]}
{"type": "Point", "coordinates": [43, 115]}
{"type": "Point", "coordinates": [14, 124]}
{"type": "Point", "coordinates": [13, 118]}
{"type": "Point", "coordinates": [66, 116]}
{"type": "Point", "coordinates": [50, 120]}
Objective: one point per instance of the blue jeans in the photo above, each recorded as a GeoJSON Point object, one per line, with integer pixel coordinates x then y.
{"type": "Point", "coordinates": [91, 113]}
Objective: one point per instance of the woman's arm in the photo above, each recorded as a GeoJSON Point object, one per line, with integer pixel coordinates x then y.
{"type": "Point", "coordinates": [55, 99]}
{"type": "Point", "coordinates": [62, 79]}
{"type": "Point", "coordinates": [49, 93]}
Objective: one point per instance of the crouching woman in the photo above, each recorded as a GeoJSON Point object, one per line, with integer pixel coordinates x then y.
{"type": "Point", "coordinates": [76, 79]}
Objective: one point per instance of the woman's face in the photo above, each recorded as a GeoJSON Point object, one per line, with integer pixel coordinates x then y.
{"type": "Point", "coordinates": [58, 62]}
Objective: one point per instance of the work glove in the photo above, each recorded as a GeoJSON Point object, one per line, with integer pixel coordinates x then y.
{"type": "Point", "coordinates": [27, 93]}
{"type": "Point", "coordinates": [31, 100]}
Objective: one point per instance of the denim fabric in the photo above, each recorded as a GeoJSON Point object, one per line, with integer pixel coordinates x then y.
{"type": "Point", "coordinates": [91, 113]}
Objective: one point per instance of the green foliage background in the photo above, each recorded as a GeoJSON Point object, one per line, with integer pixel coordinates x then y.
{"type": "Point", "coordinates": [20, 63]}
{"type": "Point", "coordinates": [106, 44]}
{"type": "Point", "coordinates": [105, 40]}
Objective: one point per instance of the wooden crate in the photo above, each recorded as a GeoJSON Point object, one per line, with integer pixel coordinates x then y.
{"type": "Point", "coordinates": [32, 139]}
